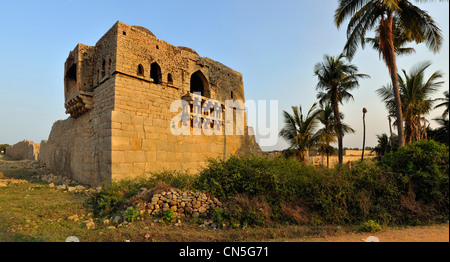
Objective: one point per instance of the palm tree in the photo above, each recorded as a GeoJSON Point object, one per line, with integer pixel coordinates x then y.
{"type": "Point", "coordinates": [336, 79]}
{"type": "Point", "coordinates": [443, 104]}
{"type": "Point", "coordinates": [414, 93]}
{"type": "Point", "coordinates": [384, 145]}
{"type": "Point", "coordinates": [364, 132]}
{"type": "Point", "coordinates": [440, 134]}
{"type": "Point", "coordinates": [365, 15]}
{"type": "Point", "coordinates": [300, 130]}
{"type": "Point", "coordinates": [400, 39]}
{"type": "Point", "coordinates": [330, 130]}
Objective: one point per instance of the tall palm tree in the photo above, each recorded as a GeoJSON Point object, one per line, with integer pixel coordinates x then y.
{"type": "Point", "coordinates": [330, 130]}
{"type": "Point", "coordinates": [443, 104]}
{"type": "Point", "coordinates": [400, 39]}
{"type": "Point", "coordinates": [335, 79]}
{"type": "Point", "coordinates": [415, 93]}
{"type": "Point", "coordinates": [365, 15]}
{"type": "Point", "coordinates": [300, 130]}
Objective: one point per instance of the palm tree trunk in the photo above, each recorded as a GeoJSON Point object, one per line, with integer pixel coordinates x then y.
{"type": "Point", "coordinates": [409, 129]}
{"type": "Point", "coordinates": [425, 135]}
{"type": "Point", "coordinates": [328, 160]}
{"type": "Point", "coordinates": [392, 66]}
{"type": "Point", "coordinates": [419, 128]}
{"type": "Point", "coordinates": [337, 119]}
{"type": "Point", "coordinates": [390, 127]}
{"type": "Point", "coordinates": [364, 133]}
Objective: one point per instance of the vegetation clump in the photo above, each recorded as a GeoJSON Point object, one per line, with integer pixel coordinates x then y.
{"type": "Point", "coordinates": [407, 187]}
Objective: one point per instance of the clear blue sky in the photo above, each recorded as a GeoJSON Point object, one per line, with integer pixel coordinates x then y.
{"type": "Point", "coordinates": [274, 44]}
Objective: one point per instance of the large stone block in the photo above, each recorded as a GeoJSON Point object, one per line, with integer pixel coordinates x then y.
{"type": "Point", "coordinates": [120, 143]}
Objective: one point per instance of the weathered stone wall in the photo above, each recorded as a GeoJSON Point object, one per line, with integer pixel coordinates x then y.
{"type": "Point", "coordinates": [81, 148]}
{"type": "Point", "coordinates": [24, 150]}
{"type": "Point", "coordinates": [120, 112]}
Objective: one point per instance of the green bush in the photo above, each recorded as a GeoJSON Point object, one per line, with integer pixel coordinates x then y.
{"type": "Point", "coordinates": [369, 226]}
{"type": "Point", "coordinates": [169, 216]}
{"type": "Point", "coordinates": [112, 197]}
{"type": "Point", "coordinates": [132, 214]}
{"type": "Point", "coordinates": [276, 179]}
{"type": "Point", "coordinates": [422, 170]}
{"type": "Point", "coordinates": [408, 186]}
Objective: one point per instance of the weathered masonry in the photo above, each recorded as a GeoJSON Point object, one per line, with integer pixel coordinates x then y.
{"type": "Point", "coordinates": [118, 94]}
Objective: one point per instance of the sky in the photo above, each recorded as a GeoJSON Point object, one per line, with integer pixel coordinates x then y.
{"type": "Point", "coordinates": [274, 44]}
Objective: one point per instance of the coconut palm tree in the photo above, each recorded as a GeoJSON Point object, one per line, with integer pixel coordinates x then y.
{"type": "Point", "coordinates": [300, 130]}
{"type": "Point", "coordinates": [440, 134]}
{"type": "Point", "coordinates": [400, 39]}
{"type": "Point", "coordinates": [335, 79]}
{"type": "Point", "coordinates": [330, 130]}
{"type": "Point", "coordinates": [366, 15]}
{"type": "Point", "coordinates": [383, 146]}
{"type": "Point", "coordinates": [415, 93]}
{"type": "Point", "coordinates": [443, 104]}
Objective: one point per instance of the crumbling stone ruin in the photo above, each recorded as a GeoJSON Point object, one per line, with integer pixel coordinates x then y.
{"type": "Point", "coordinates": [27, 150]}
{"type": "Point", "coordinates": [119, 93]}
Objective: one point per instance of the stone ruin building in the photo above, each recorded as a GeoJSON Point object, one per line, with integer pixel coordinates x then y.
{"type": "Point", "coordinates": [118, 94]}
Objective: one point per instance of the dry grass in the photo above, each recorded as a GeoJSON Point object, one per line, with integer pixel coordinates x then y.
{"type": "Point", "coordinates": [298, 211]}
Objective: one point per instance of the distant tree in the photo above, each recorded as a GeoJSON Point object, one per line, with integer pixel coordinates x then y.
{"type": "Point", "coordinates": [300, 131]}
{"type": "Point", "coordinates": [330, 130]}
{"type": "Point", "coordinates": [443, 104]}
{"type": "Point", "coordinates": [3, 147]}
{"type": "Point", "coordinates": [385, 145]}
{"type": "Point", "coordinates": [440, 134]}
{"type": "Point", "coordinates": [336, 78]}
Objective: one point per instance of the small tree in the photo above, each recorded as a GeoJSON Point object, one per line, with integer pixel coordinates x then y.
{"type": "Point", "coordinates": [300, 130]}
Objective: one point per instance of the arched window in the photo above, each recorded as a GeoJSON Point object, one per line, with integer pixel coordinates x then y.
{"type": "Point", "coordinates": [155, 73]}
{"type": "Point", "coordinates": [169, 79]}
{"type": "Point", "coordinates": [140, 70]}
{"type": "Point", "coordinates": [71, 77]}
{"type": "Point", "coordinates": [199, 84]}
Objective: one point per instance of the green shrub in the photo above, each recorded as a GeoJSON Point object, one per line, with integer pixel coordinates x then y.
{"type": "Point", "coordinates": [132, 214]}
{"type": "Point", "coordinates": [169, 216]}
{"type": "Point", "coordinates": [244, 211]}
{"type": "Point", "coordinates": [369, 226]}
{"type": "Point", "coordinates": [277, 179]}
{"type": "Point", "coordinates": [406, 186]}
{"type": "Point", "coordinates": [422, 171]}
{"type": "Point", "coordinates": [112, 198]}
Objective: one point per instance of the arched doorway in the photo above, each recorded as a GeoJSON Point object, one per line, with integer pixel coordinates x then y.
{"type": "Point", "coordinates": [199, 84]}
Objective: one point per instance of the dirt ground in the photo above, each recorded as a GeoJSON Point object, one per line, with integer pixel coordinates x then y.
{"type": "Point", "coordinates": [434, 233]}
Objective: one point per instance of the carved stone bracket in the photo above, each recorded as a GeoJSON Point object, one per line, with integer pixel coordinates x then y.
{"type": "Point", "coordinates": [79, 105]}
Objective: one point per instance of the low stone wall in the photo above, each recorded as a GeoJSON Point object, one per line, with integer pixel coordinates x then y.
{"type": "Point", "coordinates": [24, 150]}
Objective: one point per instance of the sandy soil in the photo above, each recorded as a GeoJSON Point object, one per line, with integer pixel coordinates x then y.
{"type": "Point", "coordinates": [435, 233]}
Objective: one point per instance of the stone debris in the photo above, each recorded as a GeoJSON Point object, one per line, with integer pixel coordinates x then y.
{"type": "Point", "coordinates": [184, 203]}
